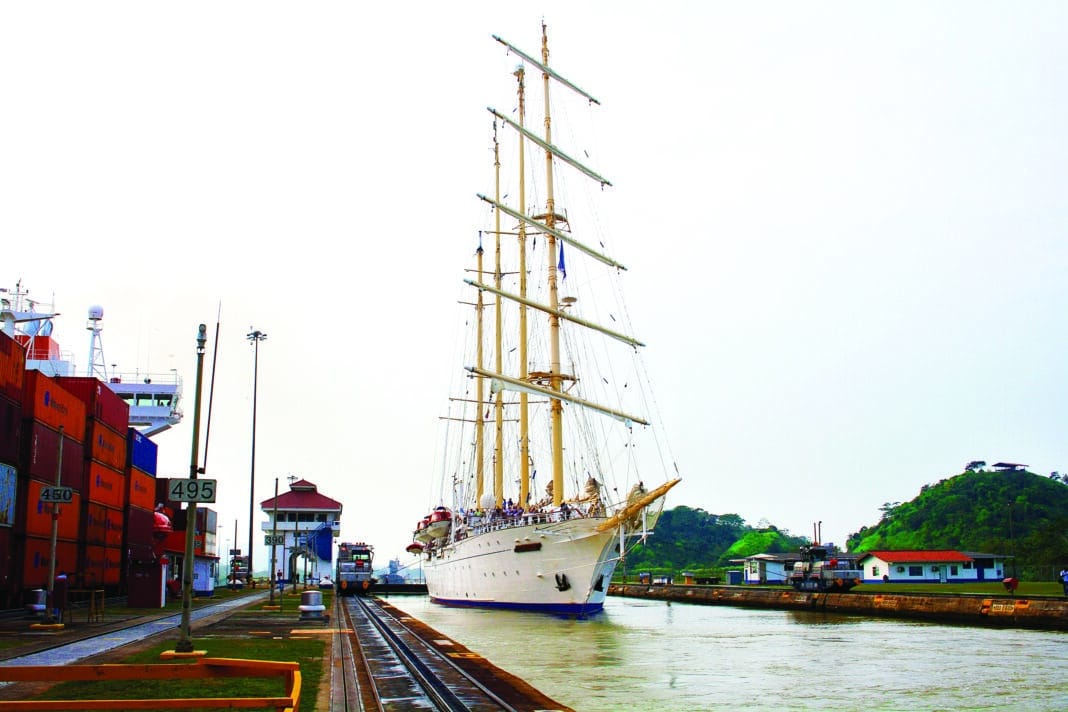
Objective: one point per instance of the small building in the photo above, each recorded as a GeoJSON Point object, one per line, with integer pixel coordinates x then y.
{"type": "Point", "coordinates": [308, 522]}
{"type": "Point", "coordinates": [768, 568]}
{"type": "Point", "coordinates": [931, 566]}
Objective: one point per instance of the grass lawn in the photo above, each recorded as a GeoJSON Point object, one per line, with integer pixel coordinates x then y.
{"type": "Point", "coordinates": [307, 652]}
{"type": "Point", "coordinates": [1026, 588]}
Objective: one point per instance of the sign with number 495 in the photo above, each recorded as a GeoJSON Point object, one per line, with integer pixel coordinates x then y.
{"type": "Point", "coordinates": [191, 490]}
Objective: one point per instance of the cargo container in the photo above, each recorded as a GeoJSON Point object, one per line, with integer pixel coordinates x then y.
{"type": "Point", "coordinates": [40, 455]}
{"type": "Point", "coordinates": [102, 525]}
{"type": "Point", "coordinates": [101, 566]}
{"type": "Point", "coordinates": [142, 451]}
{"type": "Point", "coordinates": [36, 552]}
{"type": "Point", "coordinates": [8, 495]}
{"type": "Point", "coordinates": [7, 569]}
{"type": "Point", "coordinates": [46, 401]}
{"type": "Point", "coordinates": [10, 429]}
{"type": "Point", "coordinates": [104, 485]}
{"type": "Point", "coordinates": [35, 518]}
{"type": "Point", "coordinates": [141, 489]}
{"type": "Point", "coordinates": [106, 445]}
{"type": "Point", "coordinates": [12, 368]}
{"type": "Point", "coordinates": [139, 534]}
{"type": "Point", "coordinates": [101, 403]}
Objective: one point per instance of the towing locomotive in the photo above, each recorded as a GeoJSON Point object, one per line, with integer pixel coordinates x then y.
{"type": "Point", "coordinates": [354, 573]}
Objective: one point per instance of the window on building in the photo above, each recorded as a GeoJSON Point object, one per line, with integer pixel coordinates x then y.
{"type": "Point", "coordinates": [953, 571]}
{"type": "Point", "coordinates": [901, 569]}
{"type": "Point", "coordinates": [874, 570]}
{"type": "Point", "coordinates": [915, 571]}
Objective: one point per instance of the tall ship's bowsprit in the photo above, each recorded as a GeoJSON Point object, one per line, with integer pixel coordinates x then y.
{"type": "Point", "coordinates": [553, 396]}
{"type": "Point", "coordinates": [355, 573]}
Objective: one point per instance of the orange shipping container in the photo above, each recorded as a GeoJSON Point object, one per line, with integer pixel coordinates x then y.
{"type": "Point", "coordinates": [105, 445]}
{"type": "Point", "coordinates": [101, 565]}
{"type": "Point", "coordinates": [47, 402]}
{"type": "Point", "coordinates": [12, 367]}
{"type": "Point", "coordinates": [142, 489]}
{"type": "Point", "coordinates": [104, 485]}
{"type": "Point", "coordinates": [37, 516]}
{"type": "Point", "coordinates": [113, 527]}
{"type": "Point", "coordinates": [36, 558]}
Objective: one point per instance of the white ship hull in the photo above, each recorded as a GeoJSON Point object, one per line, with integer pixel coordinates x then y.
{"type": "Point", "coordinates": [559, 567]}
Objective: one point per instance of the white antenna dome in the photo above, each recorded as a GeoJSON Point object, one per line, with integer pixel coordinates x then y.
{"type": "Point", "coordinates": [96, 312]}
{"type": "Point", "coordinates": [488, 501]}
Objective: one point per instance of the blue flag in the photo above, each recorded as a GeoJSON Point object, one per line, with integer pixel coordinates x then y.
{"type": "Point", "coordinates": [560, 265]}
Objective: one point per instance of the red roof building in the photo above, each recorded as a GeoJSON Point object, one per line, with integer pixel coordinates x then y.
{"type": "Point", "coordinates": [302, 538]}
{"type": "Point", "coordinates": [931, 566]}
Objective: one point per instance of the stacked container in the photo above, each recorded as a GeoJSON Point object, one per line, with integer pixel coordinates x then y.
{"type": "Point", "coordinates": [54, 430]}
{"type": "Point", "coordinates": [12, 365]}
{"type": "Point", "coordinates": [104, 488]}
{"type": "Point", "coordinates": [140, 495]}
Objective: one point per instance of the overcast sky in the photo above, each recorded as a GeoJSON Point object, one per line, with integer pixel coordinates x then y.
{"type": "Point", "coordinates": [844, 223]}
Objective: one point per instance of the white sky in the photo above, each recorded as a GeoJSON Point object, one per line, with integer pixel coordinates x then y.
{"type": "Point", "coordinates": [845, 227]}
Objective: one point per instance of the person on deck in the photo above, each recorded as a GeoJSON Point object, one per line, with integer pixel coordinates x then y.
{"type": "Point", "coordinates": [1064, 579]}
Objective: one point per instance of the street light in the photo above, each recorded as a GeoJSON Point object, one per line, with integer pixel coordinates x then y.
{"type": "Point", "coordinates": [255, 336]}
{"type": "Point", "coordinates": [185, 642]}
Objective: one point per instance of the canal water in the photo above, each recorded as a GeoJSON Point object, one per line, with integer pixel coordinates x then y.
{"type": "Point", "coordinates": [643, 655]}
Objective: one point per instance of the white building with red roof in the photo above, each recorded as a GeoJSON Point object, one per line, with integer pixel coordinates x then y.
{"type": "Point", "coordinates": [931, 566]}
{"type": "Point", "coordinates": [304, 532]}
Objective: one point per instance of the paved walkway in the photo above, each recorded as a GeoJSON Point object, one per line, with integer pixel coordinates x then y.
{"type": "Point", "coordinates": [65, 654]}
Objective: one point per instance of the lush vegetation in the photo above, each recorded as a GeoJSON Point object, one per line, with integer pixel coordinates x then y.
{"type": "Point", "coordinates": [1012, 512]}
{"type": "Point", "coordinates": [692, 539]}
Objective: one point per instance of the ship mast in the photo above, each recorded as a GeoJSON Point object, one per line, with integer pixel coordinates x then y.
{"type": "Point", "coordinates": [556, 405]}
{"type": "Point", "coordinates": [524, 368]}
{"type": "Point", "coordinates": [498, 275]}
{"type": "Point", "coordinates": [480, 426]}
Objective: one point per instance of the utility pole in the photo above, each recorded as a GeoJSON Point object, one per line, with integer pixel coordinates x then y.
{"type": "Point", "coordinates": [185, 642]}
{"type": "Point", "coordinates": [255, 336]}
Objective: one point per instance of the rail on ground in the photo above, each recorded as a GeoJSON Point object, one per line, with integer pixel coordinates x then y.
{"type": "Point", "coordinates": [204, 668]}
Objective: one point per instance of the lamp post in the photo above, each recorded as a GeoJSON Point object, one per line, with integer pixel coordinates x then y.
{"type": "Point", "coordinates": [255, 336]}
{"type": "Point", "coordinates": [185, 642]}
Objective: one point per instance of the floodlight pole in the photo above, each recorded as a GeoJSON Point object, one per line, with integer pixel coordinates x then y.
{"type": "Point", "coordinates": [255, 336]}
{"type": "Point", "coordinates": [185, 642]}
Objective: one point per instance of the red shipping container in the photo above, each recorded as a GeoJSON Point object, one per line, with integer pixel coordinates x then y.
{"type": "Point", "coordinates": [94, 524]}
{"type": "Point", "coordinates": [104, 485]}
{"type": "Point", "coordinates": [91, 570]}
{"type": "Point", "coordinates": [101, 402]}
{"type": "Point", "coordinates": [10, 429]}
{"type": "Point", "coordinates": [41, 452]}
{"type": "Point", "coordinates": [7, 568]}
{"type": "Point", "coordinates": [141, 489]}
{"type": "Point", "coordinates": [105, 445]}
{"type": "Point", "coordinates": [12, 367]}
{"type": "Point", "coordinates": [35, 517]}
{"type": "Point", "coordinates": [36, 559]}
{"type": "Point", "coordinates": [112, 565]}
{"type": "Point", "coordinates": [48, 402]}
{"type": "Point", "coordinates": [139, 539]}
{"type": "Point", "coordinates": [114, 528]}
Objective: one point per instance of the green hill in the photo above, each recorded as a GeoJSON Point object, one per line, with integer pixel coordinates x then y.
{"type": "Point", "coordinates": [1004, 512]}
{"type": "Point", "coordinates": [687, 538]}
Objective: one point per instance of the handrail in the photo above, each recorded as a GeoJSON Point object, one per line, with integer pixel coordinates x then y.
{"type": "Point", "coordinates": [204, 668]}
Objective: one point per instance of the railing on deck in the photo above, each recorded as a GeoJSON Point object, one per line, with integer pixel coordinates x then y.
{"type": "Point", "coordinates": [204, 668]}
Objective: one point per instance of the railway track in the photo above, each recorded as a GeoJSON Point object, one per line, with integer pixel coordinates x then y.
{"type": "Point", "coordinates": [390, 666]}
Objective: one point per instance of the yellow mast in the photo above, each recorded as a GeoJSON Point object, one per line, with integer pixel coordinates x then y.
{"type": "Point", "coordinates": [480, 425]}
{"type": "Point", "coordinates": [524, 411]}
{"type": "Point", "coordinates": [556, 406]}
{"type": "Point", "coordinates": [498, 406]}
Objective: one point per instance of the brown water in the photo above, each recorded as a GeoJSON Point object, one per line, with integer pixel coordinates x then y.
{"type": "Point", "coordinates": [650, 655]}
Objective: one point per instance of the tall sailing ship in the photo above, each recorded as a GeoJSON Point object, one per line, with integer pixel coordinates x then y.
{"type": "Point", "coordinates": [548, 441]}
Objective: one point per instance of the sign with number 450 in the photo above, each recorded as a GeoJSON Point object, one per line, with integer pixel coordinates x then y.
{"type": "Point", "coordinates": [191, 490]}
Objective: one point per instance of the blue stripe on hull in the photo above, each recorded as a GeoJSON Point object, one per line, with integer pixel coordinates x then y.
{"type": "Point", "coordinates": [560, 609]}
